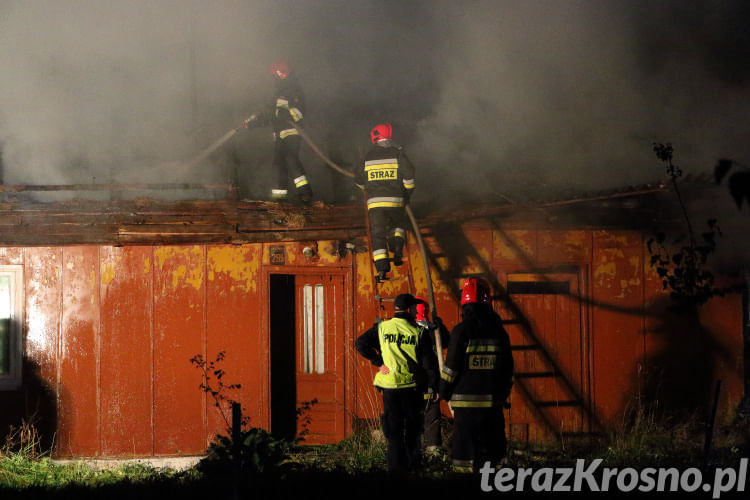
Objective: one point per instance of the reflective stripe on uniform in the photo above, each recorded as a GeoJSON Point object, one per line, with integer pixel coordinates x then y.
{"type": "Point", "coordinates": [409, 183]}
{"type": "Point", "coordinates": [483, 345]}
{"type": "Point", "coordinates": [483, 348]}
{"type": "Point", "coordinates": [278, 193]}
{"type": "Point", "coordinates": [296, 114]}
{"type": "Point", "coordinates": [385, 201]}
{"type": "Point", "coordinates": [282, 103]}
{"type": "Point", "coordinates": [287, 132]}
{"type": "Point", "coordinates": [472, 400]}
{"type": "Point", "coordinates": [399, 233]}
{"type": "Point", "coordinates": [300, 181]}
{"type": "Point", "coordinates": [472, 404]}
{"type": "Point", "coordinates": [379, 254]}
{"type": "Point", "coordinates": [383, 163]}
{"type": "Point", "coordinates": [381, 170]}
{"type": "Point", "coordinates": [447, 374]}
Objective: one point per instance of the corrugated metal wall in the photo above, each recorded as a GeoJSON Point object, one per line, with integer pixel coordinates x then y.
{"type": "Point", "coordinates": [110, 331]}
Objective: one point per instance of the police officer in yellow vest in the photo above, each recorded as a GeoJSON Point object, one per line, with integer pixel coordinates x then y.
{"type": "Point", "coordinates": [407, 367]}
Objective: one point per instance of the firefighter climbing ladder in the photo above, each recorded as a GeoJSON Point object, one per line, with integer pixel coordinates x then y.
{"type": "Point", "coordinates": [536, 405]}
{"type": "Point", "coordinates": [417, 234]}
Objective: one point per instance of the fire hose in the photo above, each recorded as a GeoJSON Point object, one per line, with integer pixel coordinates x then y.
{"type": "Point", "coordinates": [417, 234]}
{"type": "Point", "coordinates": [425, 262]}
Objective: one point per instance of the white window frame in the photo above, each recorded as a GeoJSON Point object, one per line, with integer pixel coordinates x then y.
{"type": "Point", "coordinates": [12, 380]}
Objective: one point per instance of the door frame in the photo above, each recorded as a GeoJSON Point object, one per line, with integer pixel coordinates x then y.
{"type": "Point", "coordinates": [347, 333]}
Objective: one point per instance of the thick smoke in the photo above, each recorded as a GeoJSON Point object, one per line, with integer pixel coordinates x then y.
{"type": "Point", "coordinates": [489, 97]}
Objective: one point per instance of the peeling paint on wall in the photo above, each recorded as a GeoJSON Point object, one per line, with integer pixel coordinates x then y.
{"type": "Point", "coordinates": [326, 252]}
{"type": "Point", "coordinates": [233, 262]}
{"type": "Point", "coordinates": [180, 273]}
{"type": "Point", "coordinates": [108, 272]}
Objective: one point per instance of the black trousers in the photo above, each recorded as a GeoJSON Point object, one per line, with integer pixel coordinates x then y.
{"type": "Point", "coordinates": [478, 437]}
{"type": "Point", "coordinates": [387, 230]}
{"type": "Point", "coordinates": [286, 161]}
{"type": "Point", "coordinates": [432, 435]}
{"type": "Point", "coordinates": [402, 427]}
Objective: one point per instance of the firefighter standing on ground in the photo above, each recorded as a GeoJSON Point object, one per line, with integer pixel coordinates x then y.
{"type": "Point", "coordinates": [288, 107]}
{"type": "Point", "coordinates": [432, 435]}
{"type": "Point", "coordinates": [387, 177]}
{"type": "Point", "coordinates": [476, 378]}
{"type": "Point", "coordinates": [407, 367]}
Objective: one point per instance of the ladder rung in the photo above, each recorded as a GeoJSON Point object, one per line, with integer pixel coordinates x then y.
{"type": "Point", "coordinates": [548, 404]}
{"type": "Point", "coordinates": [535, 374]}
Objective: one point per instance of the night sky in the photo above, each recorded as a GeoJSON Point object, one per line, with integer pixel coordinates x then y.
{"type": "Point", "coordinates": [492, 99]}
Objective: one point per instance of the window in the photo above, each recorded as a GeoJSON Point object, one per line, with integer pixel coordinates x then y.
{"type": "Point", "coordinates": [314, 333]}
{"type": "Point", "coordinates": [11, 300]}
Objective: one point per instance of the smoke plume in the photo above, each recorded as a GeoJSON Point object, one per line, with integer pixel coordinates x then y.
{"type": "Point", "coordinates": [488, 97]}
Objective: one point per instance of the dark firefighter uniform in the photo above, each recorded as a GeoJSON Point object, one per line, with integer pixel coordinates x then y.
{"type": "Point", "coordinates": [288, 107]}
{"type": "Point", "coordinates": [477, 377]}
{"type": "Point", "coordinates": [400, 345]}
{"type": "Point", "coordinates": [432, 413]}
{"type": "Point", "coordinates": [387, 177]}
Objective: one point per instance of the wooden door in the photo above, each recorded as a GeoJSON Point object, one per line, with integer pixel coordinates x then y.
{"type": "Point", "coordinates": [320, 361]}
{"type": "Point", "coordinates": [550, 355]}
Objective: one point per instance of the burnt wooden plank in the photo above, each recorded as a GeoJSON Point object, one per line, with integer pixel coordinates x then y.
{"type": "Point", "coordinates": [227, 229]}
{"type": "Point", "coordinates": [73, 219]}
{"type": "Point", "coordinates": [117, 187]}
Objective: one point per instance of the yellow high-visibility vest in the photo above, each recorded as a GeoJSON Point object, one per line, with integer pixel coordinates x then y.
{"type": "Point", "coordinates": [398, 339]}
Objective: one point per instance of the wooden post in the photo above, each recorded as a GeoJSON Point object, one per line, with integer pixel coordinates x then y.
{"type": "Point", "coordinates": [710, 424]}
{"type": "Point", "coordinates": [236, 449]}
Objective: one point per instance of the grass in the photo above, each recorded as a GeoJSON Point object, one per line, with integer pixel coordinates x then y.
{"type": "Point", "coordinates": [357, 464]}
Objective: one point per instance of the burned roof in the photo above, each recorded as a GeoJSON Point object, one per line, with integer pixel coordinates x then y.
{"type": "Point", "coordinates": [25, 221]}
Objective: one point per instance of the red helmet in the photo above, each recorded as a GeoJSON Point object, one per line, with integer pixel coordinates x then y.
{"type": "Point", "coordinates": [475, 290]}
{"type": "Point", "coordinates": [382, 131]}
{"type": "Point", "coordinates": [422, 309]}
{"type": "Point", "coordinates": [280, 69]}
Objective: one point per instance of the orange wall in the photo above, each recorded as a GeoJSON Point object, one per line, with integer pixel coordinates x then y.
{"type": "Point", "coordinates": [109, 330]}
{"type": "Point", "coordinates": [626, 340]}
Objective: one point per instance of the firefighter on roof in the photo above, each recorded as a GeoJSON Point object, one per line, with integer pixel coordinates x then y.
{"type": "Point", "coordinates": [288, 108]}
{"type": "Point", "coordinates": [407, 368]}
{"type": "Point", "coordinates": [476, 378]}
{"type": "Point", "coordinates": [387, 177]}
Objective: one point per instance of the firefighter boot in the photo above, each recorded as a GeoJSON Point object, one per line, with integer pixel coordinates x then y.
{"type": "Point", "coordinates": [381, 277]}
{"type": "Point", "coordinates": [398, 259]}
{"type": "Point", "coordinates": [397, 245]}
